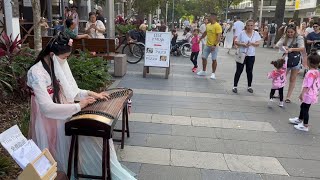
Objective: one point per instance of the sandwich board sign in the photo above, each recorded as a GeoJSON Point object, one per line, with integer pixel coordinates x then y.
{"type": "Point", "coordinates": [157, 51]}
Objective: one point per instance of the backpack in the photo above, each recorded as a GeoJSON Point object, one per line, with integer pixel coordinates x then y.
{"type": "Point", "coordinates": [273, 29]}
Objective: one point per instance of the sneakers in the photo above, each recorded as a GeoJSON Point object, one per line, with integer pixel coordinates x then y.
{"type": "Point", "coordinates": [301, 127]}
{"type": "Point", "coordinates": [250, 90]}
{"type": "Point", "coordinates": [202, 73]}
{"type": "Point", "coordinates": [213, 76]}
{"type": "Point", "coordinates": [281, 104]}
{"type": "Point", "coordinates": [270, 102]}
{"type": "Point", "coordinates": [295, 120]}
{"type": "Point", "coordinates": [194, 69]}
{"type": "Point", "coordinates": [235, 90]}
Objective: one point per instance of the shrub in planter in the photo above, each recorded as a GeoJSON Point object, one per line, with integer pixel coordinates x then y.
{"type": "Point", "coordinates": [14, 64]}
{"type": "Point", "coordinates": [124, 29]}
{"type": "Point", "coordinates": [90, 72]}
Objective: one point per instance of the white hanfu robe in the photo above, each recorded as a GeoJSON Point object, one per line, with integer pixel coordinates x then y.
{"type": "Point", "coordinates": [48, 121]}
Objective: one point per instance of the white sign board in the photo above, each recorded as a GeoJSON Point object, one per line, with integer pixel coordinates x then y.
{"type": "Point", "coordinates": [305, 4]}
{"type": "Point", "coordinates": [157, 49]}
{"type": "Point", "coordinates": [12, 139]}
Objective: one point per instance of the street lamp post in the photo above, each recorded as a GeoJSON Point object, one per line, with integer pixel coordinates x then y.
{"type": "Point", "coordinates": [260, 17]}
{"type": "Point", "coordinates": [172, 14]}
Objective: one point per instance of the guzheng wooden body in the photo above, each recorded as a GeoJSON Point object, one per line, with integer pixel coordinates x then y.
{"type": "Point", "coordinates": [99, 118]}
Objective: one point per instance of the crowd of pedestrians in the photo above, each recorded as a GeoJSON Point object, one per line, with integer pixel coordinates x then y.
{"type": "Point", "coordinates": [299, 46]}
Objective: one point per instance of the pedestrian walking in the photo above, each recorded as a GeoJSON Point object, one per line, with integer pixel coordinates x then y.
{"type": "Point", "coordinates": [238, 27]}
{"type": "Point", "coordinates": [293, 43]}
{"type": "Point", "coordinates": [278, 76]}
{"type": "Point", "coordinates": [202, 30]}
{"type": "Point", "coordinates": [247, 41]}
{"type": "Point", "coordinates": [272, 34]}
{"type": "Point", "coordinates": [75, 17]}
{"type": "Point", "coordinates": [213, 33]}
{"type": "Point", "coordinates": [228, 37]}
{"type": "Point", "coordinates": [309, 93]}
{"type": "Point", "coordinates": [195, 49]}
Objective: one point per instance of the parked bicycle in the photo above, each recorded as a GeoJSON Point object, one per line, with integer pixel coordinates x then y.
{"type": "Point", "coordinates": [134, 50]}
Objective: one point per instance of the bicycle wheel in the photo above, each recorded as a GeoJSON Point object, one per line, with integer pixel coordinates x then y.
{"type": "Point", "coordinates": [186, 49]}
{"type": "Point", "coordinates": [127, 49]}
{"type": "Point", "coordinates": [138, 50]}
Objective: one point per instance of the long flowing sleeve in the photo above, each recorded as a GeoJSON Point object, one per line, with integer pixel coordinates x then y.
{"type": "Point", "coordinates": [47, 107]}
{"type": "Point", "coordinates": [81, 95]}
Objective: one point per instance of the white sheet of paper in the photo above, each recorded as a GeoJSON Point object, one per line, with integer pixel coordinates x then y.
{"type": "Point", "coordinates": [26, 154]}
{"type": "Point", "coordinates": [12, 139]}
{"type": "Point", "coordinates": [42, 165]}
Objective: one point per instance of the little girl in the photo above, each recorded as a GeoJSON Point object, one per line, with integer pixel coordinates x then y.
{"type": "Point", "coordinates": [195, 49]}
{"type": "Point", "coordinates": [278, 77]}
{"type": "Point", "coordinates": [310, 92]}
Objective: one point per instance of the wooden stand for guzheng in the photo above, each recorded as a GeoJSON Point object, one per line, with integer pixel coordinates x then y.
{"type": "Point", "coordinates": [98, 120]}
{"type": "Point", "coordinates": [30, 172]}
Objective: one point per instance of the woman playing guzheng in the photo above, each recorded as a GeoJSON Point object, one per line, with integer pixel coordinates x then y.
{"type": "Point", "coordinates": [54, 92]}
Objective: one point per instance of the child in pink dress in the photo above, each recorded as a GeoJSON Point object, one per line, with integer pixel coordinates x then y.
{"type": "Point", "coordinates": [278, 77]}
{"type": "Point", "coordinates": [195, 49]}
{"type": "Point", "coordinates": [310, 92]}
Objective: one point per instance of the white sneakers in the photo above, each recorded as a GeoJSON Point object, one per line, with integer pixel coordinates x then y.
{"type": "Point", "coordinates": [204, 73]}
{"type": "Point", "coordinates": [213, 76]}
{"type": "Point", "coordinates": [301, 127]}
{"type": "Point", "coordinates": [281, 104]}
{"type": "Point", "coordinates": [295, 120]}
{"type": "Point", "coordinates": [298, 124]}
{"type": "Point", "coordinates": [201, 73]}
{"type": "Point", "coordinates": [271, 102]}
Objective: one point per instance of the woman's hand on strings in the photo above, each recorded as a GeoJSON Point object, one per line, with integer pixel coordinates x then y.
{"type": "Point", "coordinates": [85, 102]}
{"type": "Point", "coordinates": [102, 95]}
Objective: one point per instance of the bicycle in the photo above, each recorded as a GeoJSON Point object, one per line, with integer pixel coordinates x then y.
{"type": "Point", "coordinates": [134, 50]}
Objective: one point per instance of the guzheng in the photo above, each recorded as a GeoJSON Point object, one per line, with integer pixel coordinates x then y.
{"type": "Point", "coordinates": [99, 118]}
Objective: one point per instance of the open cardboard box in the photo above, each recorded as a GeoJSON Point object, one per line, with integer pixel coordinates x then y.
{"type": "Point", "coordinates": [30, 172]}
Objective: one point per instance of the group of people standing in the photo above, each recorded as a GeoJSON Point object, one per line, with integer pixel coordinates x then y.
{"type": "Point", "coordinates": [245, 37]}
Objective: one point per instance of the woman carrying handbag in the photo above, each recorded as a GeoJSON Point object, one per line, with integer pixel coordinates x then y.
{"type": "Point", "coordinates": [293, 44]}
{"type": "Point", "coordinates": [248, 40]}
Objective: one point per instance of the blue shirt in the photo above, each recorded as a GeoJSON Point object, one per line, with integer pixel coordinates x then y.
{"type": "Point", "coordinates": [313, 36]}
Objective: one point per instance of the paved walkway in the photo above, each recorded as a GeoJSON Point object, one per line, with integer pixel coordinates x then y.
{"type": "Point", "coordinates": [194, 128]}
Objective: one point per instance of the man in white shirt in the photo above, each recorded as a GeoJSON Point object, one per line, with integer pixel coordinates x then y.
{"type": "Point", "coordinates": [238, 27]}
{"type": "Point", "coordinates": [186, 23]}
{"type": "Point", "coordinates": [202, 30]}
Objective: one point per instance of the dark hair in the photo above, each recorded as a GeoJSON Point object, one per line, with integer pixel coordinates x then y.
{"type": "Point", "coordinates": [314, 59]}
{"type": "Point", "coordinates": [196, 30]}
{"type": "Point", "coordinates": [92, 13]}
{"type": "Point", "coordinates": [272, 21]}
{"type": "Point", "coordinates": [315, 23]}
{"type": "Point", "coordinates": [174, 30]}
{"type": "Point", "coordinates": [69, 22]}
{"type": "Point", "coordinates": [58, 45]}
{"type": "Point", "coordinates": [187, 29]}
{"type": "Point", "coordinates": [278, 63]}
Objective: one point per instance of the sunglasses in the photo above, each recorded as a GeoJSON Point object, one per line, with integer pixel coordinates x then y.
{"type": "Point", "coordinates": [315, 26]}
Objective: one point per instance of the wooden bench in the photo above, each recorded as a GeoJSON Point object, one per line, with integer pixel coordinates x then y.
{"type": "Point", "coordinates": [103, 47]}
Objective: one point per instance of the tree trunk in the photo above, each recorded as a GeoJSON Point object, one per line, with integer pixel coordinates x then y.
{"type": "Point", "coordinates": [37, 30]}
{"type": "Point", "coordinates": [280, 8]}
{"type": "Point", "coordinates": [255, 9]}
